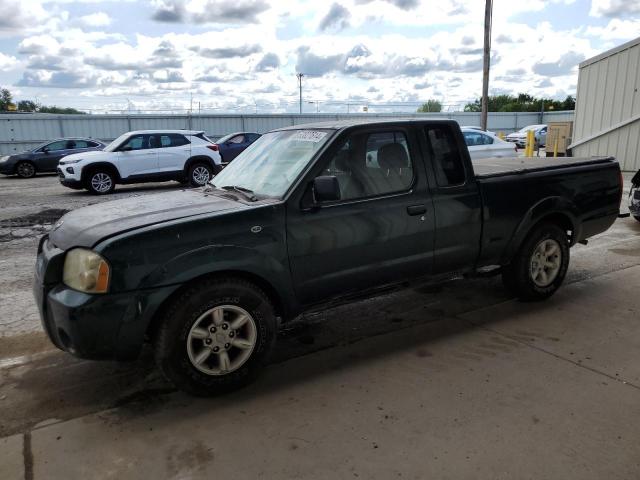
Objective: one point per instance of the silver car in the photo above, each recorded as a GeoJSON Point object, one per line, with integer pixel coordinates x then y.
{"type": "Point", "coordinates": [520, 137]}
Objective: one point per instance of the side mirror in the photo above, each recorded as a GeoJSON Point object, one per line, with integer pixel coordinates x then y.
{"type": "Point", "coordinates": [326, 189]}
{"type": "Point", "coordinates": [45, 150]}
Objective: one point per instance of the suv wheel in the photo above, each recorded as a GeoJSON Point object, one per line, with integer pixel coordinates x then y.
{"type": "Point", "coordinates": [200, 174]}
{"type": "Point", "coordinates": [216, 336]}
{"type": "Point", "coordinates": [26, 170]}
{"type": "Point", "coordinates": [539, 267]}
{"type": "Point", "coordinates": [100, 182]}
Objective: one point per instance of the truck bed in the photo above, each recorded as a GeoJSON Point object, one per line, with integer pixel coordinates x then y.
{"type": "Point", "coordinates": [496, 167]}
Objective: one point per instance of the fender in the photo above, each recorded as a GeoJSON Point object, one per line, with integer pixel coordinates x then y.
{"type": "Point", "coordinates": [103, 163]}
{"type": "Point", "coordinates": [201, 158]}
{"type": "Point", "coordinates": [272, 272]}
{"type": "Point", "coordinates": [557, 207]}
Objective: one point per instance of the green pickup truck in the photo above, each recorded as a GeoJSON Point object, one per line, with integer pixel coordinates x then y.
{"type": "Point", "coordinates": [308, 216]}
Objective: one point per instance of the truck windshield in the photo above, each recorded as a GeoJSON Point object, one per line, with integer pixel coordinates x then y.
{"type": "Point", "coordinates": [272, 163]}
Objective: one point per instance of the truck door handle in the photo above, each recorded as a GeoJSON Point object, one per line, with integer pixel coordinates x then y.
{"type": "Point", "coordinates": [416, 209]}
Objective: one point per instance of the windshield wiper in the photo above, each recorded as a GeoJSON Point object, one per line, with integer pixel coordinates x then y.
{"type": "Point", "coordinates": [248, 194]}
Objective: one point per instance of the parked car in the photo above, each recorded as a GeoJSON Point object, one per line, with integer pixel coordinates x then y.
{"type": "Point", "coordinates": [299, 222]}
{"type": "Point", "coordinates": [520, 137]}
{"type": "Point", "coordinates": [44, 158]}
{"type": "Point", "coordinates": [230, 146]}
{"type": "Point", "coordinates": [479, 128]}
{"type": "Point", "coordinates": [484, 145]}
{"type": "Point", "coordinates": [634, 196]}
{"type": "Point", "coordinates": [143, 156]}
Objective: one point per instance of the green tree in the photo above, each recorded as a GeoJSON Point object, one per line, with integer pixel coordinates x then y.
{"type": "Point", "coordinates": [6, 99]}
{"type": "Point", "coordinates": [62, 110]}
{"type": "Point", "coordinates": [27, 106]}
{"type": "Point", "coordinates": [523, 102]}
{"type": "Point", "coordinates": [432, 105]}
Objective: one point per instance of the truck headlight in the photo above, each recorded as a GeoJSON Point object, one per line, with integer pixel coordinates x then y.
{"type": "Point", "coordinates": [86, 271]}
{"type": "Point", "coordinates": [69, 162]}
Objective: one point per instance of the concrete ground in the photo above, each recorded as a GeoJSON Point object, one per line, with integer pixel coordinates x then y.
{"type": "Point", "coordinates": [455, 381]}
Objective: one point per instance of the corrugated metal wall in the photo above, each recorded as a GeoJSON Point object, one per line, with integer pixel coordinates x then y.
{"type": "Point", "coordinates": [608, 96]}
{"type": "Point", "coordinates": [20, 132]}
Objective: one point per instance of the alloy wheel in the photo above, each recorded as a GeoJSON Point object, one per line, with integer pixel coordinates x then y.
{"type": "Point", "coordinates": [221, 340]}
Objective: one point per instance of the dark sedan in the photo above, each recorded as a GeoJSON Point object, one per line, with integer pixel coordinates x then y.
{"type": "Point", "coordinates": [45, 157]}
{"type": "Point", "coordinates": [230, 146]}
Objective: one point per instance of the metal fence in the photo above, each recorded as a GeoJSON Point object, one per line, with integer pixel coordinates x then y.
{"type": "Point", "coordinates": [19, 132]}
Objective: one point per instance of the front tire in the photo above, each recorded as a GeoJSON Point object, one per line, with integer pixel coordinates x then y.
{"type": "Point", "coordinates": [540, 266]}
{"type": "Point", "coordinates": [25, 170]}
{"type": "Point", "coordinates": [216, 336]}
{"type": "Point", "coordinates": [100, 182]}
{"type": "Point", "coordinates": [199, 174]}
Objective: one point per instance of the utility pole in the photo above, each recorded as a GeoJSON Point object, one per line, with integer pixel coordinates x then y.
{"type": "Point", "coordinates": [487, 60]}
{"type": "Point", "coordinates": [300, 75]}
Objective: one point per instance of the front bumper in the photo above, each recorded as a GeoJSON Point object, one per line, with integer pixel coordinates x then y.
{"type": "Point", "coordinates": [7, 168]}
{"type": "Point", "coordinates": [67, 181]}
{"type": "Point", "coordinates": [109, 326]}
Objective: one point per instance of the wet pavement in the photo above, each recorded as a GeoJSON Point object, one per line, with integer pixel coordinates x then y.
{"type": "Point", "coordinates": [447, 365]}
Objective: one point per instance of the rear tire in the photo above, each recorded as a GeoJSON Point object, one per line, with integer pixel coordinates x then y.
{"type": "Point", "coordinates": [25, 170]}
{"type": "Point", "coordinates": [540, 266]}
{"type": "Point", "coordinates": [100, 181]}
{"type": "Point", "coordinates": [216, 336]}
{"type": "Point", "coordinates": [199, 174]}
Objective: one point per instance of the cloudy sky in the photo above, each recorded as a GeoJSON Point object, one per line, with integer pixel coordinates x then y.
{"type": "Point", "coordinates": [243, 55]}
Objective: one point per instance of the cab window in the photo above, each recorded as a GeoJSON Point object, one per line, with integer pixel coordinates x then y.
{"type": "Point", "coordinates": [372, 164]}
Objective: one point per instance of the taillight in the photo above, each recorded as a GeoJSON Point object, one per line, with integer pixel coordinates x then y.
{"type": "Point", "coordinates": [213, 147]}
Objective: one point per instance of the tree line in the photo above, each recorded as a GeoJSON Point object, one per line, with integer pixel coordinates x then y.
{"type": "Point", "coordinates": [7, 105]}
{"type": "Point", "coordinates": [523, 102]}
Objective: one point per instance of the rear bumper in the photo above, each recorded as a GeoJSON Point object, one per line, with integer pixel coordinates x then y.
{"type": "Point", "coordinates": [634, 202]}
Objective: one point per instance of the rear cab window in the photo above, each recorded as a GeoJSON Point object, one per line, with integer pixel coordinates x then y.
{"type": "Point", "coordinates": [445, 156]}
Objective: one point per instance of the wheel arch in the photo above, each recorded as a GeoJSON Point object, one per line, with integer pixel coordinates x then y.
{"type": "Point", "coordinates": [199, 159]}
{"type": "Point", "coordinates": [558, 211]}
{"type": "Point", "coordinates": [258, 280]}
{"type": "Point", "coordinates": [94, 166]}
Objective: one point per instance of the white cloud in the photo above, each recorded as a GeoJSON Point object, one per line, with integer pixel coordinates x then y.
{"type": "Point", "coordinates": [98, 19]}
{"type": "Point", "coordinates": [616, 29]}
{"type": "Point", "coordinates": [7, 62]}
{"type": "Point", "coordinates": [614, 8]}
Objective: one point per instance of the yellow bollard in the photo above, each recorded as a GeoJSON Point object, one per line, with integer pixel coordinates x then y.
{"type": "Point", "coordinates": [531, 140]}
{"type": "Point", "coordinates": [501, 135]}
{"type": "Point", "coordinates": [555, 148]}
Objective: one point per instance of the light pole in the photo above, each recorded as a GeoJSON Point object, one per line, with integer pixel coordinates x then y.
{"type": "Point", "coordinates": [486, 61]}
{"type": "Point", "coordinates": [300, 75]}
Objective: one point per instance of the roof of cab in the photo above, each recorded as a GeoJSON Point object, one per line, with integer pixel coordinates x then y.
{"type": "Point", "coordinates": [183, 132]}
{"type": "Point", "coordinates": [340, 124]}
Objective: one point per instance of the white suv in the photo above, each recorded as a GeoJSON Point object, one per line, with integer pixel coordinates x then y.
{"type": "Point", "coordinates": [143, 156]}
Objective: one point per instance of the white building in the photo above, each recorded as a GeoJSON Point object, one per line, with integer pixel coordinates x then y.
{"type": "Point", "coordinates": [607, 120]}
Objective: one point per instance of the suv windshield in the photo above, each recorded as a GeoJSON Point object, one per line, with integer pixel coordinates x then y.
{"type": "Point", "coordinates": [272, 163]}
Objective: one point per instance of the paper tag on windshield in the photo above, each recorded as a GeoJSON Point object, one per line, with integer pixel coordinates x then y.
{"type": "Point", "coordinates": [309, 136]}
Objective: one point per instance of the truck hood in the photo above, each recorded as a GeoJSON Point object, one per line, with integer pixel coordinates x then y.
{"type": "Point", "coordinates": [93, 154]}
{"type": "Point", "coordinates": [87, 226]}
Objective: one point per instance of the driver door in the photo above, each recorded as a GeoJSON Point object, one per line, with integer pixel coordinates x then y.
{"type": "Point", "coordinates": [135, 158]}
{"type": "Point", "coordinates": [381, 230]}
